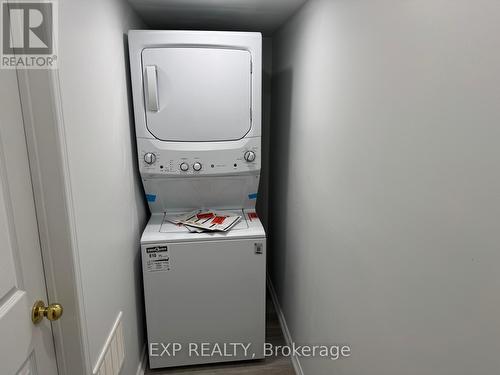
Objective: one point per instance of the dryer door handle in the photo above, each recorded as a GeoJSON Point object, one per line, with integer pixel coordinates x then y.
{"type": "Point", "coordinates": [152, 103]}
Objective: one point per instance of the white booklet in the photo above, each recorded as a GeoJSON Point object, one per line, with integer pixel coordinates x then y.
{"type": "Point", "coordinates": [178, 219]}
{"type": "Point", "coordinates": [205, 220]}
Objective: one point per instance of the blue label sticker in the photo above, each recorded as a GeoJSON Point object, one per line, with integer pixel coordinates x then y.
{"type": "Point", "coordinates": [150, 197]}
{"type": "Point", "coordinates": [252, 196]}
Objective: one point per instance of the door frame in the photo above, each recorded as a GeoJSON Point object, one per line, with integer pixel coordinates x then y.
{"type": "Point", "coordinates": [48, 160]}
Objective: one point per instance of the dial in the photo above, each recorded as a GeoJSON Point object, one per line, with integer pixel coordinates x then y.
{"type": "Point", "coordinates": [149, 158]}
{"type": "Point", "coordinates": [197, 166]}
{"type": "Point", "coordinates": [184, 167]}
{"type": "Point", "coordinates": [249, 156]}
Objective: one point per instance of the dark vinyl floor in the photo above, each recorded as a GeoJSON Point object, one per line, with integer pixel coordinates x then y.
{"type": "Point", "coordinates": [270, 365]}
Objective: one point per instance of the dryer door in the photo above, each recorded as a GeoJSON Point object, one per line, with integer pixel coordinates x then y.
{"type": "Point", "coordinates": [197, 94]}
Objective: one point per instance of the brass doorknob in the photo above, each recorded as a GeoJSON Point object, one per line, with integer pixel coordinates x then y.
{"type": "Point", "coordinates": [51, 312]}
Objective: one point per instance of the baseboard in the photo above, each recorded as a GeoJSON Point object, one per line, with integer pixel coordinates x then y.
{"type": "Point", "coordinates": [142, 365]}
{"type": "Point", "coordinates": [286, 332]}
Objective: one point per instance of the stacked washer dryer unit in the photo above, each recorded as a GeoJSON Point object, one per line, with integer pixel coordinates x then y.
{"type": "Point", "coordinates": [197, 103]}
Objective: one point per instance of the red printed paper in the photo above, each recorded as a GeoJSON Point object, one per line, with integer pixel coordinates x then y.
{"type": "Point", "coordinates": [218, 219]}
{"type": "Point", "coordinates": [252, 215]}
{"type": "Point", "coordinates": [206, 215]}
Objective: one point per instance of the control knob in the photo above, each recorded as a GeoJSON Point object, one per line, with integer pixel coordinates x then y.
{"type": "Point", "coordinates": [249, 156]}
{"type": "Point", "coordinates": [184, 167]}
{"type": "Point", "coordinates": [197, 166]}
{"type": "Point", "coordinates": [149, 158]}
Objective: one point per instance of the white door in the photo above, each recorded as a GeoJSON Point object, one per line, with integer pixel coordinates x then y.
{"type": "Point", "coordinates": [25, 348]}
{"type": "Point", "coordinates": [197, 94]}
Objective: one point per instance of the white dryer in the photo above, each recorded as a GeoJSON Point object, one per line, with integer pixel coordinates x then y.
{"type": "Point", "coordinates": [197, 107]}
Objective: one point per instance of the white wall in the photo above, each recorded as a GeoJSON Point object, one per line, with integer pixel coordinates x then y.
{"type": "Point", "coordinates": [107, 195]}
{"type": "Point", "coordinates": [385, 184]}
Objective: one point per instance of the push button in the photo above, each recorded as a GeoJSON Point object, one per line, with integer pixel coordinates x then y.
{"type": "Point", "coordinates": [184, 167]}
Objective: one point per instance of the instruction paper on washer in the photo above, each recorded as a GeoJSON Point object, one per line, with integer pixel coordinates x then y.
{"type": "Point", "coordinates": [205, 221]}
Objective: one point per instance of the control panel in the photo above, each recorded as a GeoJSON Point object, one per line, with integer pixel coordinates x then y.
{"type": "Point", "coordinates": [178, 160]}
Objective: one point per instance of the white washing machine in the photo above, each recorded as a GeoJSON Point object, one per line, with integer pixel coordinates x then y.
{"type": "Point", "coordinates": [197, 106]}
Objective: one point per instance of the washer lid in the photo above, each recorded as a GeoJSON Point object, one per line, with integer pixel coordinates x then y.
{"type": "Point", "coordinates": [153, 234]}
{"type": "Point", "coordinates": [197, 94]}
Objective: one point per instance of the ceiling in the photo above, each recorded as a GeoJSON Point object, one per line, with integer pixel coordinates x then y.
{"type": "Point", "coordinates": [245, 15]}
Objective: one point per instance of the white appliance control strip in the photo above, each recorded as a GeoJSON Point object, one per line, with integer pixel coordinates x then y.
{"type": "Point", "coordinates": [167, 159]}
